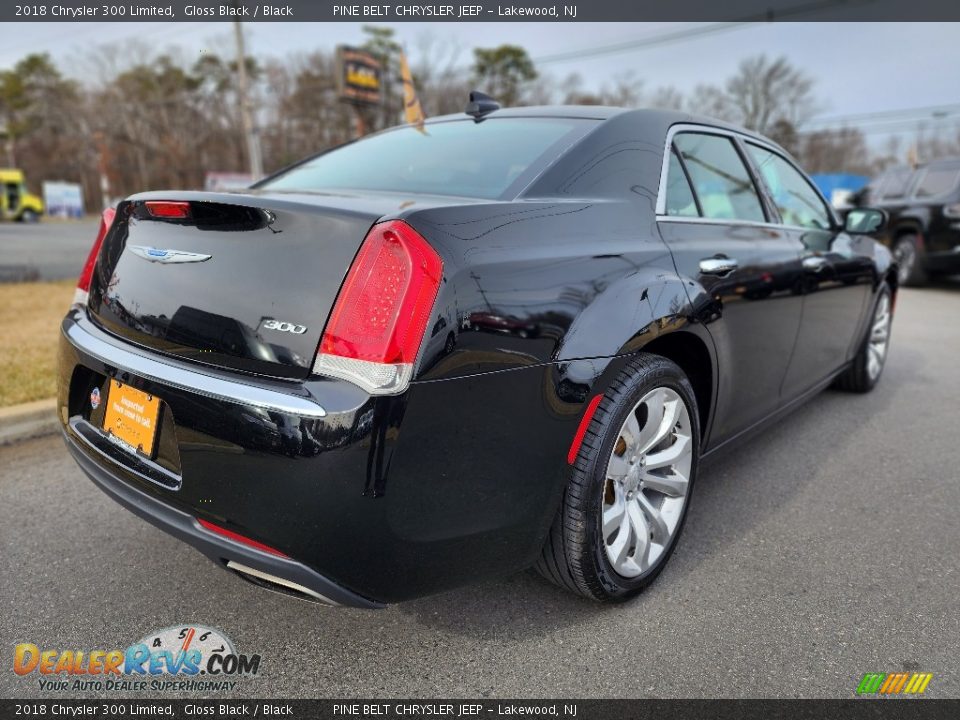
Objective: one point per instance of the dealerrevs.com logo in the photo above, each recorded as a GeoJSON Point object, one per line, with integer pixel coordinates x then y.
{"type": "Point", "coordinates": [180, 658]}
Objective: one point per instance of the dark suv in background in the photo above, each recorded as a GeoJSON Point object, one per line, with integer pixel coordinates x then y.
{"type": "Point", "coordinates": [924, 209]}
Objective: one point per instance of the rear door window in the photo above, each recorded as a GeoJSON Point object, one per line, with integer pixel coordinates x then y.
{"type": "Point", "coordinates": [680, 199]}
{"type": "Point", "coordinates": [796, 200]}
{"type": "Point", "coordinates": [720, 179]}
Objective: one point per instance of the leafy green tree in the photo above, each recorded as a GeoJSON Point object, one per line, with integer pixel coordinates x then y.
{"type": "Point", "coordinates": [502, 72]}
{"type": "Point", "coordinates": [35, 99]}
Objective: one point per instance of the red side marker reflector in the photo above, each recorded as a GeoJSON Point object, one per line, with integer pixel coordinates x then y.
{"type": "Point", "coordinates": [239, 538]}
{"type": "Point", "coordinates": [168, 208]}
{"type": "Point", "coordinates": [582, 428]}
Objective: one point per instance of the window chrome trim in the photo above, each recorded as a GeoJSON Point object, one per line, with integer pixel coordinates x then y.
{"type": "Point", "coordinates": [192, 381]}
{"type": "Point", "coordinates": [735, 221]}
{"type": "Point", "coordinates": [719, 221]}
{"type": "Point", "coordinates": [661, 206]}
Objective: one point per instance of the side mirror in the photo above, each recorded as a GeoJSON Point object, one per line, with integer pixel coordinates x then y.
{"type": "Point", "coordinates": [865, 221]}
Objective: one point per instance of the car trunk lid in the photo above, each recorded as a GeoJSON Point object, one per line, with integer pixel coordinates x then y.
{"type": "Point", "coordinates": [242, 281]}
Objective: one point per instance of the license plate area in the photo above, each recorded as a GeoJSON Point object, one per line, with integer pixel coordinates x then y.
{"type": "Point", "coordinates": [131, 418]}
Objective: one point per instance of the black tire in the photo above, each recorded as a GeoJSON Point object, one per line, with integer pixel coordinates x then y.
{"type": "Point", "coordinates": [29, 216]}
{"type": "Point", "coordinates": [906, 251]}
{"type": "Point", "coordinates": [573, 556]}
{"type": "Point", "coordinates": [857, 377]}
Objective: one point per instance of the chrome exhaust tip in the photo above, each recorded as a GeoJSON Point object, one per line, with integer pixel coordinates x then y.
{"type": "Point", "coordinates": [279, 584]}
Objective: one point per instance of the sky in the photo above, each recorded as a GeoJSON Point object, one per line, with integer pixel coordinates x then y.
{"type": "Point", "coordinates": [858, 68]}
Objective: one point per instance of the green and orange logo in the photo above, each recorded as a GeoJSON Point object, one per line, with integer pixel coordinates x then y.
{"type": "Point", "coordinates": [902, 683]}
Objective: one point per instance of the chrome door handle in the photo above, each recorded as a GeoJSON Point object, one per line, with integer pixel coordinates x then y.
{"type": "Point", "coordinates": [815, 263]}
{"type": "Point", "coordinates": [718, 265]}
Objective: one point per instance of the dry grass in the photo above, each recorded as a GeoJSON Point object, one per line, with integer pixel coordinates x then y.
{"type": "Point", "coordinates": [30, 315]}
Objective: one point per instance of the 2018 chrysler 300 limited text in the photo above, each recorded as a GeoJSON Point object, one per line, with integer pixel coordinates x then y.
{"type": "Point", "coordinates": [428, 357]}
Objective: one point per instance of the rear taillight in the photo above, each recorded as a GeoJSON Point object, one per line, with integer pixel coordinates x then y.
{"type": "Point", "coordinates": [83, 282]}
{"type": "Point", "coordinates": [381, 314]}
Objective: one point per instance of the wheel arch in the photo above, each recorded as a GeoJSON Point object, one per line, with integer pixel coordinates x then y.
{"type": "Point", "coordinates": [906, 226]}
{"type": "Point", "coordinates": [692, 355]}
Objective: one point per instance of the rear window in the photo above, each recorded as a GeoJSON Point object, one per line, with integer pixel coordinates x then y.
{"type": "Point", "coordinates": [450, 158]}
{"type": "Point", "coordinates": [937, 181]}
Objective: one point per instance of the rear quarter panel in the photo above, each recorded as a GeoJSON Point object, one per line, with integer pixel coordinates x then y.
{"type": "Point", "coordinates": [545, 298]}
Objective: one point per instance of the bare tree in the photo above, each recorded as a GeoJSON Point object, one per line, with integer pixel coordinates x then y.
{"type": "Point", "coordinates": [441, 81]}
{"type": "Point", "coordinates": [833, 151]}
{"type": "Point", "coordinates": [666, 98]}
{"type": "Point", "coordinates": [766, 92]}
{"type": "Point", "coordinates": [711, 101]}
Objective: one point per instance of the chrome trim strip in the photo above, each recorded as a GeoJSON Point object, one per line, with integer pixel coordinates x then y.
{"type": "Point", "coordinates": [237, 567]}
{"type": "Point", "coordinates": [721, 221]}
{"type": "Point", "coordinates": [231, 391]}
{"type": "Point", "coordinates": [734, 221]}
{"type": "Point", "coordinates": [94, 438]}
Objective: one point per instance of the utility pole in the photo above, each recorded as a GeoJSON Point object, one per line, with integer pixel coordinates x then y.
{"type": "Point", "coordinates": [7, 138]}
{"type": "Point", "coordinates": [246, 117]}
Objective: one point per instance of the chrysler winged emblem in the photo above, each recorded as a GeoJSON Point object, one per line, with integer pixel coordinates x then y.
{"type": "Point", "coordinates": [164, 255]}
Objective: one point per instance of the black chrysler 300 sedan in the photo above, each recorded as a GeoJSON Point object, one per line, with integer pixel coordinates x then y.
{"type": "Point", "coordinates": [429, 357]}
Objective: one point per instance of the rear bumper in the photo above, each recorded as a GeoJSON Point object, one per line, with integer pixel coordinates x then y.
{"type": "Point", "coordinates": [371, 499]}
{"type": "Point", "coordinates": [213, 426]}
{"type": "Point", "coordinates": [296, 577]}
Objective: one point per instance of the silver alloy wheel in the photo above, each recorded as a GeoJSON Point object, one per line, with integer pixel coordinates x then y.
{"type": "Point", "coordinates": [879, 337]}
{"type": "Point", "coordinates": [647, 478]}
{"type": "Point", "coordinates": [905, 254]}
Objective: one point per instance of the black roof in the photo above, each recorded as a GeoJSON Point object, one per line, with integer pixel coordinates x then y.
{"type": "Point", "coordinates": [665, 118]}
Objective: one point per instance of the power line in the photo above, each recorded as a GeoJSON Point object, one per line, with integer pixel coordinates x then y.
{"type": "Point", "coordinates": [881, 116]}
{"type": "Point", "coordinates": [699, 31]}
{"type": "Point", "coordinates": [642, 43]}
{"type": "Point", "coordinates": [899, 126]}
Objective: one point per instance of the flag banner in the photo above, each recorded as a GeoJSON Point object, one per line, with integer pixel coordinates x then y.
{"type": "Point", "coordinates": [412, 112]}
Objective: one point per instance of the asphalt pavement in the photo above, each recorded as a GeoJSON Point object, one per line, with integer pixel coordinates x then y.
{"type": "Point", "coordinates": [824, 548]}
{"type": "Point", "coordinates": [47, 250]}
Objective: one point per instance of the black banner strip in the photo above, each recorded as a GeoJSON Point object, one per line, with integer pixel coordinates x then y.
{"type": "Point", "coordinates": [482, 11]}
{"type": "Point", "coordinates": [857, 709]}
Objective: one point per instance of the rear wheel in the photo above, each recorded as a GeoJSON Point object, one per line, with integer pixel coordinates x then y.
{"type": "Point", "coordinates": [29, 216]}
{"type": "Point", "coordinates": [863, 375]}
{"type": "Point", "coordinates": [630, 485]}
{"type": "Point", "coordinates": [909, 263]}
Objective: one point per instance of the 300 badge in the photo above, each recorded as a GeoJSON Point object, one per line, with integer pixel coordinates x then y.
{"type": "Point", "coordinates": [211, 650]}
